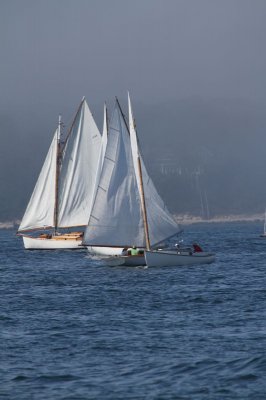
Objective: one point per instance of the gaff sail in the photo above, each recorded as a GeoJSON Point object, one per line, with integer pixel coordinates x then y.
{"type": "Point", "coordinates": [79, 163]}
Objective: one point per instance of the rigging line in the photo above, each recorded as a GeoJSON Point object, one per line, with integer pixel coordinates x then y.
{"type": "Point", "coordinates": [107, 158]}
{"type": "Point", "coordinates": [114, 129]}
{"type": "Point", "coordinates": [105, 190]}
{"type": "Point", "coordinates": [124, 118]}
{"type": "Point", "coordinates": [73, 123]}
{"type": "Point", "coordinates": [92, 216]}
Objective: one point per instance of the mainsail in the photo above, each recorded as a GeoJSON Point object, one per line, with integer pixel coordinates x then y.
{"type": "Point", "coordinates": [161, 224]}
{"type": "Point", "coordinates": [79, 164]}
{"type": "Point", "coordinates": [117, 215]}
{"type": "Point", "coordinates": [105, 133]}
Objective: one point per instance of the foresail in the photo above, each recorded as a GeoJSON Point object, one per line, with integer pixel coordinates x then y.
{"type": "Point", "coordinates": [116, 218]}
{"type": "Point", "coordinates": [79, 170]}
{"type": "Point", "coordinates": [160, 221]}
{"type": "Point", "coordinates": [161, 224]}
{"type": "Point", "coordinates": [40, 210]}
{"type": "Point", "coordinates": [105, 133]}
{"type": "Point", "coordinates": [103, 146]}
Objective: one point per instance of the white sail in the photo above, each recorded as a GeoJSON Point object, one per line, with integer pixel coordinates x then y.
{"type": "Point", "coordinates": [161, 224]}
{"type": "Point", "coordinates": [105, 132]}
{"type": "Point", "coordinates": [79, 170]}
{"type": "Point", "coordinates": [103, 147]}
{"type": "Point", "coordinates": [40, 210]}
{"type": "Point", "coordinates": [116, 218]}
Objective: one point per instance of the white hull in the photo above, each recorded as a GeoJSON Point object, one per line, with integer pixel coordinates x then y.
{"type": "Point", "coordinates": [163, 259]}
{"type": "Point", "coordinates": [105, 251]}
{"type": "Point", "coordinates": [32, 243]}
{"type": "Point", "coordinates": [125, 261]}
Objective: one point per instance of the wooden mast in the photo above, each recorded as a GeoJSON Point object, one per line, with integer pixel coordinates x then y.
{"type": "Point", "coordinates": [143, 204]}
{"type": "Point", "coordinates": [106, 118]}
{"type": "Point", "coordinates": [142, 196]}
{"type": "Point", "coordinates": [57, 174]}
{"type": "Point", "coordinates": [73, 122]}
{"type": "Point", "coordinates": [59, 151]}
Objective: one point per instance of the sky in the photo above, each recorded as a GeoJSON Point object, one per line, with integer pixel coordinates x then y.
{"type": "Point", "coordinates": [195, 71]}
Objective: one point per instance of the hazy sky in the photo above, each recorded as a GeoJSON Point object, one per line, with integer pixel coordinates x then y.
{"type": "Point", "coordinates": [58, 50]}
{"type": "Point", "coordinates": [164, 51]}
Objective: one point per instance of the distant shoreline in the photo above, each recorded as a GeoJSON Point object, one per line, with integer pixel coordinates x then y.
{"type": "Point", "coordinates": [182, 219]}
{"type": "Point", "coordinates": [187, 219]}
{"type": "Point", "coordinates": [9, 224]}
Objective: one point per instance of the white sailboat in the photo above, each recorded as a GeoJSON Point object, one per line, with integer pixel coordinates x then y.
{"type": "Point", "coordinates": [173, 258]}
{"type": "Point", "coordinates": [160, 257]}
{"type": "Point", "coordinates": [127, 209]}
{"type": "Point", "coordinates": [116, 213]}
{"type": "Point", "coordinates": [264, 227]}
{"type": "Point", "coordinates": [64, 193]}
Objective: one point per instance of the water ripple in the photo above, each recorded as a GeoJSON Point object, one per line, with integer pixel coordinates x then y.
{"type": "Point", "coordinates": [74, 329]}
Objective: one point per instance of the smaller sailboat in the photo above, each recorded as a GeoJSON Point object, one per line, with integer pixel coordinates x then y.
{"type": "Point", "coordinates": [264, 227]}
{"type": "Point", "coordinates": [173, 258]}
{"type": "Point", "coordinates": [61, 202]}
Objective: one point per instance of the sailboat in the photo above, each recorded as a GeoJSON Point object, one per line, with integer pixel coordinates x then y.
{"type": "Point", "coordinates": [264, 227]}
{"type": "Point", "coordinates": [64, 192]}
{"type": "Point", "coordinates": [128, 209]}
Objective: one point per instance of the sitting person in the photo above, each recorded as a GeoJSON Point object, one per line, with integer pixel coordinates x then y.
{"type": "Point", "coordinates": [133, 251]}
{"type": "Point", "coordinates": [125, 251]}
{"type": "Point", "coordinates": [196, 248]}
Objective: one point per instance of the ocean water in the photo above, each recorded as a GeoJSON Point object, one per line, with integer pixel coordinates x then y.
{"type": "Point", "coordinates": [71, 328]}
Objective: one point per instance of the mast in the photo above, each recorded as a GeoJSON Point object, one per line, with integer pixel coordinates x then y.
{"type": "Point", "coordinates": [57, 174]}
{"type": "Point", "coordinates": [142, 195]}
{"type": "Point", "coordinates": [106, 118]}
{"type": "Point", "coordinates": [143, 206]}
{"type": "Point", "coordinates": [73, 122]}
{"type": "Point", "coordinates": [59, 151]}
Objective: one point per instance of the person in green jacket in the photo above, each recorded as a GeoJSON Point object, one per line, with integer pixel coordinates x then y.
{"type": "Point", "coordinates": [134, 251]}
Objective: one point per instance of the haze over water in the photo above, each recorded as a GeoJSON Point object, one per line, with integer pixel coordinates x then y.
{"type": "Point", "coordinates": [196, 74]}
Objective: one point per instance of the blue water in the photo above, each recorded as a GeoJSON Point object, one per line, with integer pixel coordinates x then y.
{"type": "Point", "coordinates": [73, 329]}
